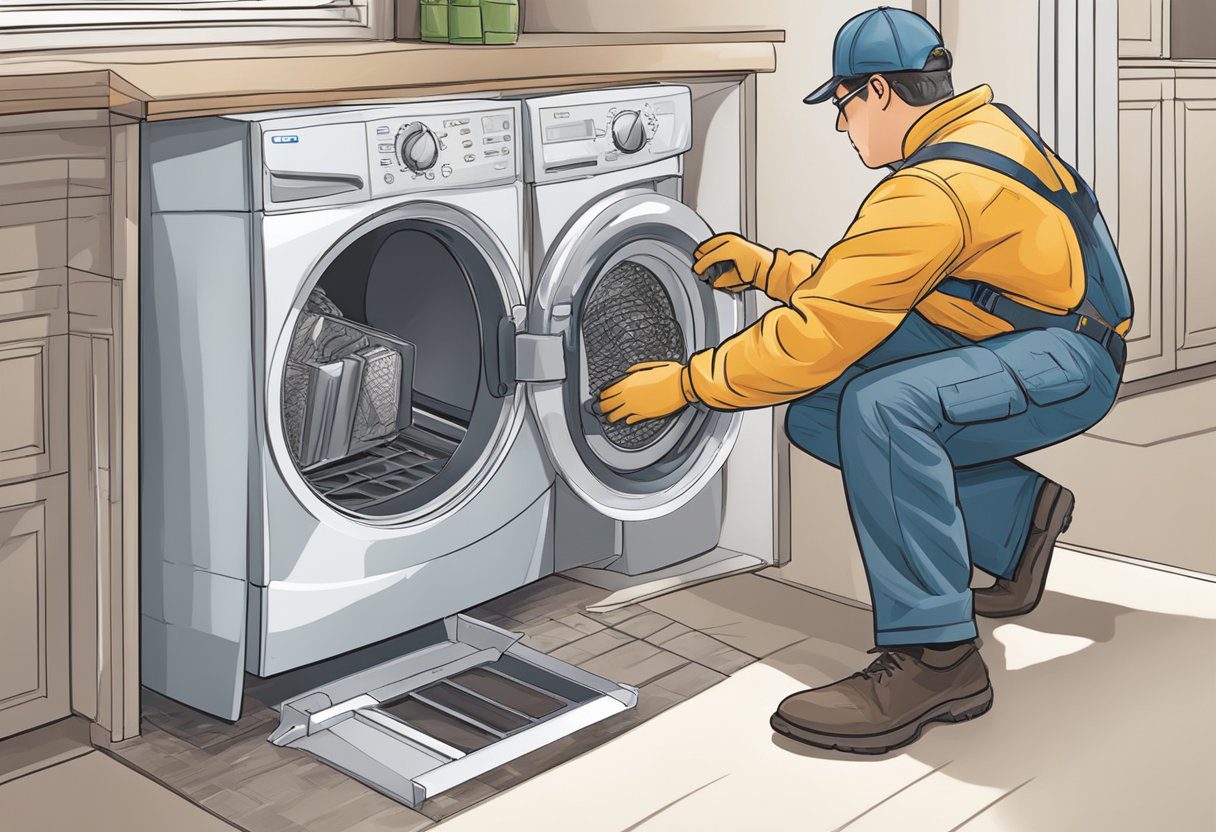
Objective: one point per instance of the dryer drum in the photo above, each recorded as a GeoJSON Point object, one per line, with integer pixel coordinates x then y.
{"type": "Point", "coordinates": [628, 318]}
{"type": "Point", "coordinates": [347, 386]}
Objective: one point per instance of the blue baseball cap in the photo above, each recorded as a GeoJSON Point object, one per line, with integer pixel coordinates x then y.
{"type": "Point", "coordinates": [880, 40]}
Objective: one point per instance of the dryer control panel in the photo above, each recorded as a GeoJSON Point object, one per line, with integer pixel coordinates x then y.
{"type": "Point", "coordinates": [410, 153]}
{"type": "Point", "coordinates": [585, 133]}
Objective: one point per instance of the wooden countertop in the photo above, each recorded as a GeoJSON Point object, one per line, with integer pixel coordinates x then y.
{"type": "Point", "coordinates": [173, 82]}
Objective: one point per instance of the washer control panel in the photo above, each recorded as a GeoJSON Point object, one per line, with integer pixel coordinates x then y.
{"type": "Point", "coordinates": [578, 134]}
{"type": "Point", "coordinates": [418, 152]}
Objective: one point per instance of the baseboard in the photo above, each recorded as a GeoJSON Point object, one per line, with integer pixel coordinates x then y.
{"type": "Point", "coordinates": [1147, 564]}
{"type": "Point", "coordinates": [633, 589]}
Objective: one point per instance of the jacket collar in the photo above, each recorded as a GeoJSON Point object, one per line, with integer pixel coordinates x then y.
{"type": "Point", "coordinates": [952, 109]}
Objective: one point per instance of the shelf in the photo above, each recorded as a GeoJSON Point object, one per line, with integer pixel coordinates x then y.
{"type": "Point", "coordinates": [174, 82]}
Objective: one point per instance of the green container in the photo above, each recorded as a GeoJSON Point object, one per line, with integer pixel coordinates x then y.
{"type": "Point", "coordinates": [433, 21]}
{"type": "Point", "coordinates": [464, 21]}
{"type": "Point", "coordinates": [500, 21]}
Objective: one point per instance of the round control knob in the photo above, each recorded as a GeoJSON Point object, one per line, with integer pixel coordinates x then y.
{"type": "Point", "coordinates": [417, 147]}
{"type": "Point", "coordinates": [628, 131]}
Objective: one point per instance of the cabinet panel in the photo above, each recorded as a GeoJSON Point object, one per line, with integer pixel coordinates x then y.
{"type": "Point", "coordinates": [1196, 227]}
{"type": "Point", "coordinates": [1144, 215]}
{"type": "Point", "coordinates": [1144, 30]}
{"type": "Point", "coordinates": [33, 604]}
{"type": "Point", "coordinates": [33, 419]}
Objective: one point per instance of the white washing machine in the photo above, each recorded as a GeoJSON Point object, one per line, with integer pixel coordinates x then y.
{"type": "Point", "coordinates": [612, 245]}
{"type": "Point", "coordinates": [334, 446]}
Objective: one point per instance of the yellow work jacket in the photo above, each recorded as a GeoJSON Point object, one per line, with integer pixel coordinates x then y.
{"type": "Point", "coordinates": [918, 226]}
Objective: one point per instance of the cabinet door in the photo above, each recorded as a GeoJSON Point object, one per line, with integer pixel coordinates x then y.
{"type": "Point", "coordinates": [1195, 137]}
{"type": "Point", "coordinates": [1144, 28]}
{"type": "Point", "coordinates": [33, 604]}
{"type": "Point", "coordinates": [33, 415]}
{"type": "Point", "coordinates": [1145, 221]}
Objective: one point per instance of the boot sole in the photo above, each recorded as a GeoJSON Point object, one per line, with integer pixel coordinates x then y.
{"type": "Point", "coordinates": [1055, 533]}
{"type": "Point", "coordinates": [956, 710]}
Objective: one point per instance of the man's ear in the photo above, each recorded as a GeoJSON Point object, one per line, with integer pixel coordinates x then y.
{"type": "Point", "coordinates": [881, 90]}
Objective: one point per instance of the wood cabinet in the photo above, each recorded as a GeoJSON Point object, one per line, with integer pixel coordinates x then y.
{"type": "Point", "coordinates": [33, 603]}
{"type": "Point", "coordinates": [1195, 219]}
{"type": "Point", "coordinates": [1144, 28]}
{"type": "Point", "coordinates": [1167, 213]}
{"type": "Point", "coordinates": [68, 352]}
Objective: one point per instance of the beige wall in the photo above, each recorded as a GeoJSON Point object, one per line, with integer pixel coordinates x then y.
{"type": "Point", "coordinates": [996, 44]}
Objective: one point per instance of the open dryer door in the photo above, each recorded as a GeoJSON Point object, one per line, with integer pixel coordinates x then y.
{"type": "Point", "coordinates": [618, 289]}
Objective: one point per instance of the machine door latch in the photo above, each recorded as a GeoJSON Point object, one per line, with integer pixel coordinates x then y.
{"type": "Point", "coordinates": [539, 357]}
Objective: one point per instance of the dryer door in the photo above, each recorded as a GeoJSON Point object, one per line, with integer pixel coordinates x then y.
{"type": "Point", "coordinates": [615, 290]}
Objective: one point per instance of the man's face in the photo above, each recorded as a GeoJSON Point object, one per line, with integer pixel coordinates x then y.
{"type": "Point", "coordinates": [873, 131]}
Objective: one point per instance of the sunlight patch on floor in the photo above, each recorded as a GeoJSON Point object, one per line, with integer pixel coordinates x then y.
{"type": "Point", "coordinates": [1025, 647]}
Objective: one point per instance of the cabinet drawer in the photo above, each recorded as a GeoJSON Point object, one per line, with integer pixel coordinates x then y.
{"type": "Point", "coordinates": [33, 419]}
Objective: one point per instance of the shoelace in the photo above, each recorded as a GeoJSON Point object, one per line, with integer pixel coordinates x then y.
{"type": "Point", "coordinates": [887, 662]}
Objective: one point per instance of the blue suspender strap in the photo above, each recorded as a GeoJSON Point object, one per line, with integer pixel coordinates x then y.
{"type": "Point", "coordinates": [989, 299]}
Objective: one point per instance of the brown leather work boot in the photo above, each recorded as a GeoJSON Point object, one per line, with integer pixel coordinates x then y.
{"type": "Point", "coordinates": [1021, 593]}
{"type": "Point", "coordinates": [891, 701]}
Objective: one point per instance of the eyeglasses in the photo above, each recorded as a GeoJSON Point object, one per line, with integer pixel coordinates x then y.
{"type": "Point", "coordinates": [840, 102]}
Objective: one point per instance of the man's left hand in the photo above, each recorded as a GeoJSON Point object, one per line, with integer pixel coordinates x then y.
{"type": "Point", "coordinates": [650, 390]}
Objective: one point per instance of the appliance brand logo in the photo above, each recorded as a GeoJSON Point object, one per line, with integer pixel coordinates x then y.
{"type": "Point", "coordinates": [291, 139]}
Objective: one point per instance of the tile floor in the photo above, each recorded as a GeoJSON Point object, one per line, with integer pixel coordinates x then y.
{"type": "Point", "coordinates": [1103, 720]}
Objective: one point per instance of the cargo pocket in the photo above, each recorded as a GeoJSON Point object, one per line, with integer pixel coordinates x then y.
{"type": "Point", "coordinates": [986, 398]}
{"type": "Point", "coordinates": [1045, 365]}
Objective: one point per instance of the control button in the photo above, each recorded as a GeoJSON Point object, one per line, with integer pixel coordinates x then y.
{"type": "Point", "coordinates": [464, 131]}
{"type": "Point", "coordinates": [469, 157]}
{"type": "Point", "coordinates": [385, 162]}
{"type": "Point", "coordinates": [446, 170]}
{"type": "Point", "coordinates": [506, 124]}
{"type": "Point", "coordinates": [491, 152]}
{"type": "Point", "coordinates": [501, 166]}
{"type": "Point", "coordinates": [430, 174]}
{"type": "Point", "coordinates": [383, 130]}
{"type": "Point", "coordinates": [467, 143]}
{"type": "Point", "coordinates": [388, 178]}
{"type": "Point", "coordinates": [506, 151]}
{"type": "Point", "coordinates": [386, 148]}
{"type": "Point", "coordinates": [495, 139]}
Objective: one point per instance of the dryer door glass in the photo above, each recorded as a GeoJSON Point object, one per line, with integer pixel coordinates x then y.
{"type": "Point", "coordinates": [618, 289]}
{"type": "Point", "coordinates": [391, 398]}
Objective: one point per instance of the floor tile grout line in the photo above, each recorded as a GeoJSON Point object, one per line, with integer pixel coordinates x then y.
{"type": "Point", "coordinates": [891, 796]}
{"type": "Point", "coordinates": [990, 805]}
{"type": "Point", "coordinates": [150, 776]}
{"type": "Point", "coordinates": [754, 659]}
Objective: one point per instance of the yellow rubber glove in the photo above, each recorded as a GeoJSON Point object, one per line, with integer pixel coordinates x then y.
{"type": "Point", "coordinates": [752, 262]}
{"type": "Point", "coordinates": [649, 390]}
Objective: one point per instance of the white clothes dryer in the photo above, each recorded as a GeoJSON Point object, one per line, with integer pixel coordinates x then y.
{"type": "Point", "coordinates": [334, 446]}
{"type": "Point", "coordinates": [612, 250]}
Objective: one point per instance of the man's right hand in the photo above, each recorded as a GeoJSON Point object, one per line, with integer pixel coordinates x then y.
{"type": "Point", "coordinates": [751, 262]}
